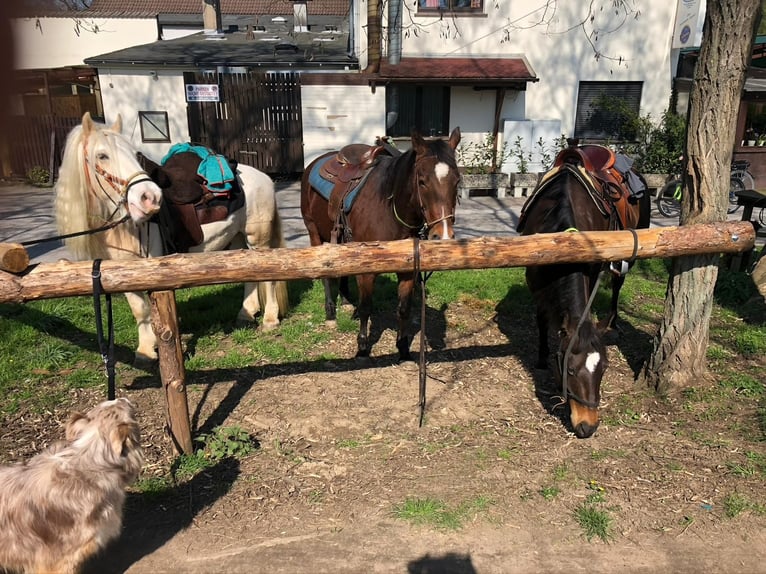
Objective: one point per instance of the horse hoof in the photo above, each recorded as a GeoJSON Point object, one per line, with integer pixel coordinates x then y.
{"type": "Point", "coordinates": [144, 362]}
{"type": "Point", "coordinates": [270, 326]}
{"type": "Point", "coordinates": [363, 354]}
{"type": "Point", "coordinates": [405, 357]}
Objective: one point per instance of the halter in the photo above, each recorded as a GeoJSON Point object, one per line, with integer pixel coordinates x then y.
{"type": "Point", "coordinates": [426, 225]}
{"type": "Point", "coordinates": [118, 184]}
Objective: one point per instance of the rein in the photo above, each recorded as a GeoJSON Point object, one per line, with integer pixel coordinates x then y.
{"type": "Point", "coordinates": [105, 346]}
{"type": "Point", "coordinates": [422, 357]}
{"type": "Point", "coordinates": [106, 227]}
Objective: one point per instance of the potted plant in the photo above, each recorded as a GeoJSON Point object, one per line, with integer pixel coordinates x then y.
{"type": "Point", "coordinates": [476, 167]}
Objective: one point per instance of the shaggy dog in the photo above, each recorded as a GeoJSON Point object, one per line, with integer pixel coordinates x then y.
{"type": "Point", "coordinates": [65, 504]}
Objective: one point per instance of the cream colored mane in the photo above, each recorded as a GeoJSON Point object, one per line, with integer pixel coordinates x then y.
{"type": "Point", "coordinates": [79, 207]}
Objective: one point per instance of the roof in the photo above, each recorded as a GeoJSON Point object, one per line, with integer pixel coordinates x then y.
{"type": "Point", "coordinates": [278, 48]}
{"type": "Point", "coordinates": [153, 8]}
{"type": "Point", "coordinates": [511, 71]}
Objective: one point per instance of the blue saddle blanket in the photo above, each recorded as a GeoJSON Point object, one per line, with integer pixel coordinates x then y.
{"type": "Point", "coordinates": [324, 187]}
{"type": "Point", "coordinates": [213, 168]}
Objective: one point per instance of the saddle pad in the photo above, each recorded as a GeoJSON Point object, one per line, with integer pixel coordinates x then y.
{"type": "Point", "coordinates": [213, 168]}
{"type": "Point", "coordinates": [324, 187]}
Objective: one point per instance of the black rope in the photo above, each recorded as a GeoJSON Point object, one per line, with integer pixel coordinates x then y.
{"type": "Point", "coordinates": [78, 233]}
{"type": "Point", "coordinates": [106, 347]}
{"type": "Point", "coordinates": [422, 361]}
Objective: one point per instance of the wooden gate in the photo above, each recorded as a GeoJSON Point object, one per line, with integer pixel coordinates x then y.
{"type": "Point", "coordinates": [256, 122]}
{"type": "Point", "coordinates": [35, 142]}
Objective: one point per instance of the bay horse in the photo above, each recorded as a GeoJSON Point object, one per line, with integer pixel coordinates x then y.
{"type": "Point", "coordinates": [412, 194]}
{"type": "Point", "coordinates": [562, 292]}
{"type": "Point", "coordinates": [101, 181]}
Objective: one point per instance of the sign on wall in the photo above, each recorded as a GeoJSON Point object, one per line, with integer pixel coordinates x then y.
{"type": "Point", "coordinates": [202, 93]}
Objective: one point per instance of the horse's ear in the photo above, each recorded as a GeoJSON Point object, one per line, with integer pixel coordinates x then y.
{"type": "Point", "coordinates": [454, 138]}
{"type": "Point", "coordinates": [117, 125]}
{"type": "Point", "coordinates": [87, 123]}
{"type": "Point", "coordinates": [418, 143]}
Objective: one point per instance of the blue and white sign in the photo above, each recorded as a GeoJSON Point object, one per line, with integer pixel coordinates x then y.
{"type": "Point", "coordinates": [202, 93]}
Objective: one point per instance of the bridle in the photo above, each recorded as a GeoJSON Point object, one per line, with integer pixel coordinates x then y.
{"type": "Point", "coordinates": [426, 226]}
{"type": "Point", "coordinates": [563, 358]}
{"type": "Point", "coordinates": [118, 184]}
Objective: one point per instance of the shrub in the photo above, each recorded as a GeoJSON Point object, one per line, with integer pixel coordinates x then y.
{"type": "Point", "coordinates": [38, 176]}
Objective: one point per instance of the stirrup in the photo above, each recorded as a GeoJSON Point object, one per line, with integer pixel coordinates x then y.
{"type": "Point", "coordinates": [619, 268]}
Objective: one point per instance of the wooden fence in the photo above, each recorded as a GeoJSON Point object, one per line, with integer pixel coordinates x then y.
{"type": "Point", "coordinates": [36, 142]}
{"type": "Point", "coordinates": [162, 275]}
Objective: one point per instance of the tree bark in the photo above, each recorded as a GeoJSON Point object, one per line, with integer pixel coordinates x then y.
{"type": "Point", "coordinates": [679, 349]}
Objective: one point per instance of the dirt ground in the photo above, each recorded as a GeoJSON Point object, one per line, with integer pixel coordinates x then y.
{"type": "Point", "coordinates": [339, 447]}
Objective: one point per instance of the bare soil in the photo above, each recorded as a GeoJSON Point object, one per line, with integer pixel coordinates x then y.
{"type": "Point", "coordinates": [339, 447]}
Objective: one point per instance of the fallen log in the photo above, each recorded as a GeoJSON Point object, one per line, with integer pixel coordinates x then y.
{"type": "Point", "coordinates": [67, 279]}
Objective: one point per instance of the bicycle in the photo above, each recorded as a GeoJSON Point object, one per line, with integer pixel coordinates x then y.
{"type": "Point", "coordinates": [669, 197]}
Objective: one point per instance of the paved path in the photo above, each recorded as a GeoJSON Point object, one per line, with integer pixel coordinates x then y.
{"type": "Point", "coordinates": [26, 213]}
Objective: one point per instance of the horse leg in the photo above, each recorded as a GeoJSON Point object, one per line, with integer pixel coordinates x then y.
{"type": "Point", "coordinates": [403, 312]}
{"type": "Point", "coordinates": [330, 309]}
{"type": "Point", "coordinates": [365, 283]}
{"type": "Point", "coordinates": [345, 293]}
{"type": "Point", "coordinates": [146, 354]}
{"type": "Point", "coordinates": [543, 350]}
{"type": "Point", "coordinates": [251, 304]}
{"type": "Point", "coordinates": [611, 321]}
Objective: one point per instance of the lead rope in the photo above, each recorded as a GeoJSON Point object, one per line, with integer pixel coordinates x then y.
{"type": "Point", "coordinates": [422, 360]}
{"type": "Point", "coordinates": [106, 347]}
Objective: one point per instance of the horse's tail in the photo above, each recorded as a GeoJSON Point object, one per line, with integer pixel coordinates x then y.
{"type": "Point", "coordinates": [277, 239]}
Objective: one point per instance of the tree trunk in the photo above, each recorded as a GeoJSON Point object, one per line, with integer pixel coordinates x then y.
{"type": "Point", "coordinates": [373, 37]}
{"type": "Point", "coordinates": [679, 349]}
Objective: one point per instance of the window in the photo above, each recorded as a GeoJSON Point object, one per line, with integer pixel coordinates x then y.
{"type": "Point", "coordinates": [425, 6]}
{"type": "Point", "coordinates": [423, 108]}
{"type": "Point", "coordinates": [604, 110]}
{"type": "Point", "coordinates": [154, 127]}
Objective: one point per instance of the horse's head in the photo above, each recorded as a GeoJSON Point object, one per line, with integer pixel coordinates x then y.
{"type": "Point", "coordinates": [580, 366]}
{"type": "Point", "coordinates": [436, 176]}
{"type": "Point", "coordinates": [113, 172]}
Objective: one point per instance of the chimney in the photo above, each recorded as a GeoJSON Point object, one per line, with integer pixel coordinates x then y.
{"type": "Point", "coordinates": [300, 17]}
{"type": "Point", "coordinates": [211, 17]}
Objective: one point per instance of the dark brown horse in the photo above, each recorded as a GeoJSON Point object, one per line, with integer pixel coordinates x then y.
{"type": "Point", "coordinates": [408, 195]}
{"type": "Point", "coordinates": [562, 292]}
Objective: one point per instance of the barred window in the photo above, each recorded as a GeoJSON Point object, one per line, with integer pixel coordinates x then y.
{"type": "Point", "coordinates": [604, 108]}
{"type": "Point", "coordinates": [423, 108]}
{"type": "Point", "coordinates": [425, 6]}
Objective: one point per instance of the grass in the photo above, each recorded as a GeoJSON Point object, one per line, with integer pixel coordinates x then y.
{"type": "Point", "coordinates": [437, 514]}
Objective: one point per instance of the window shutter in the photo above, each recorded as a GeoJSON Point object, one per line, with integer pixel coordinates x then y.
{"type": "Point", "coordinates": [597, 124]}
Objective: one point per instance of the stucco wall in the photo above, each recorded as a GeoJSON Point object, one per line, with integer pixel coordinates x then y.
{"type": "Point", "coordinates": [54, 42]}
{"type": "Point", "coordinates": [336, 116]}
{"type": "Point", "coordinates": [128, 93]}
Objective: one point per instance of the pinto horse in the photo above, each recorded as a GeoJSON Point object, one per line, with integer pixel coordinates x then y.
{"type": "Point", "coordinates": [412, 194]}
{"type": "Point", "coordinates": [562, 293]}
{"type": "Point", "coordinates": [101, 182]}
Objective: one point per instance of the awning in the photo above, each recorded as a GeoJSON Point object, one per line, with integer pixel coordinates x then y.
{"type": "Point", "coordinates": [513, 72]}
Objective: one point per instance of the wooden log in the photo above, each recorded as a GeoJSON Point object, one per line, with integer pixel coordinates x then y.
{"type": "Point", "coordinates": [172, 370]}
{"type": "Point", "coordinates": [67, 279]}
{"type": "Point", "coordinates": [759, 276]}
{"type": "Point", "coordinates": [13, 257]}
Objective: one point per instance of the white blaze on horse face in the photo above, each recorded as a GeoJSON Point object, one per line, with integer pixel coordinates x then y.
{"type": "Point", "coordinates": [441, 170]}
{"type": "Point", "coordinates": [592, 361]}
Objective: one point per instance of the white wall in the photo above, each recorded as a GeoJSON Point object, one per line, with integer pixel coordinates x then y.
{"type": "Point", "coordinates": [558, 51]}
{"type": "Point", "coordinates": [334, 116]}
{"type": "Point", "coordinates": [54, 43]}
{"type": "Point", "coordinates": [128, 93]}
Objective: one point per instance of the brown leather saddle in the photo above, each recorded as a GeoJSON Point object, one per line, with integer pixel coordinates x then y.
{"type": "Point", "coordinates": [188, 203]}
{"type": "Point", "coordinates": [346, 170]}
{"type": "Point", "coordinates": [609, 187]}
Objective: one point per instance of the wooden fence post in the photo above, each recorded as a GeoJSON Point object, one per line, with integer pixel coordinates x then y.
{"type": "Point", "coordinates": [172, 370]}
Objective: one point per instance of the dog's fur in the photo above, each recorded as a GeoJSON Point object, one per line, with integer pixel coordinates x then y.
{"type": "Point", "coordinates": [65, 504]}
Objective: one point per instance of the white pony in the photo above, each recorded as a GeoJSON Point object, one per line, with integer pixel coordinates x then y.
{"type": "Point", "coordinates": [101, 182]}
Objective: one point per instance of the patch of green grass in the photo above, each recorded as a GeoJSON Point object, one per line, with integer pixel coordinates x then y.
{"type": "Point", "coordinates": [437, 514]}
{"type": "Point", "coordinates": [348, 443]}
{"type": "Point", "coordinates": [734, 504]}
{"type": "Point", "coordinates": [550, 492]}
{"type": "Point", "coordinates": [743, 384]}
{"type": "Point", "coordinates": [750, 341]}
{"type": "Point", "coordinates": [594, 521]}
{"type": "Point", "coordinates": [560, 472]}
{"type": "Point", "coordinates": [153, 487]}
